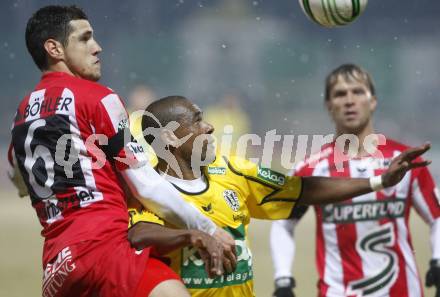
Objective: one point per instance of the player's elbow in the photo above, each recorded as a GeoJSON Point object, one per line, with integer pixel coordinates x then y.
{"type": "Point", "coordinates": [136, 238]}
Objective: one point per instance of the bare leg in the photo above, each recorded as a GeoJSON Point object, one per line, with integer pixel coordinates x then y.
{"type": "Point", "coordinates": [170, 288]}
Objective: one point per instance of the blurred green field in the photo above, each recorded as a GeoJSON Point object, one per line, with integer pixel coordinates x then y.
{"type": "Point", "coordinates": [21, 245]}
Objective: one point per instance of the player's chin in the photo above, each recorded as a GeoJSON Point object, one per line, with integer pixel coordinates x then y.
{"type": "Point", "coordinates": [353, 127]}
{"type": "Point", "coordinates": [94, 75]}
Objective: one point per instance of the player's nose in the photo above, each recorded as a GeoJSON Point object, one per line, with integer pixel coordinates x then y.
{"type": "Point", "coordinates": [349, 99]}
{"type": "Point", "coordinates": [97, 48]}
{"type": "Point", "coordinates": [209, 128]}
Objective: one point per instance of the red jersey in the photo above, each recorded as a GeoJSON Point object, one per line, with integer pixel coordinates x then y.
{"type": "Point", "coordinates": [364, 245]}
{"type": "Point", "coordinates": [69, 172]}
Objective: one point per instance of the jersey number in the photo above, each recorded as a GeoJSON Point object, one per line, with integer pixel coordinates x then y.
{"type": "Point", "coordinates": [42, 155]}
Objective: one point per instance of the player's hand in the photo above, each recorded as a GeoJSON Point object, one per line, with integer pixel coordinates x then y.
{"type": "Point", "coordinates": [284, 287]}
{"type": "Point", "coordinates": [229, 258]}
{"type": "Point", "coordinates": [210, 250]}
{"type": "Point", "coordinates": [403, 163]}
{"type": "Point", "coordinates": [433, 276]}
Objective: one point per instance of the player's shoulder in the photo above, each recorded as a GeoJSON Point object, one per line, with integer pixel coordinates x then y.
{"type": "Point", "coordinates": [85, 92]}
{"type": "Point", "coordinates": [390, 148]}
{"type": "Point", "coordinates": [235, 164]}
{"type": "Point", "coordinates": [394, 145]}
{"type": "Point", "coordinates": [230, 167]}
{"type": "Point", "coordinates": [92, 89]}
{"type": "Point", "coordinates": [313, 159]}
{"type": "Point", "coordinates": [234, 168]}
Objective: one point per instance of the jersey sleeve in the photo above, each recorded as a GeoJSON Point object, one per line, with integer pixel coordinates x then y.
{"type": "Point", "coordinates": [272, 195]}
{"type": "Point", "coordinates": [14, 173]}
{"type": "Point", "coordinates": [426, 201]}
{"type": "Point", "coordinates": [138, 213]}
{"type": "Point", "coordinates": [425, 195]}
{"type": "Point", "coordinates": [111, 121]}
{"type": "Point", "coordinates": [143, 215]}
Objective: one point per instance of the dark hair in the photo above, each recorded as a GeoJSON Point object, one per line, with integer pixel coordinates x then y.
{"type": "Point", "coordinates": [164, 110]}
{"type": "Point", "coordinates": [50, 22]}
{"type": "Point", "coordinates": [349, 72]}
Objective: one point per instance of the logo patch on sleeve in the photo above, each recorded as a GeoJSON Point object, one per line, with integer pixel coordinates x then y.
{"type": "Point", "coordinates": [123, 124]}
{"type": "Point", "coordinates": [271, 176]}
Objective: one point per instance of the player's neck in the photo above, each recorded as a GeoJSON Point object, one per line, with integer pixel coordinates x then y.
{"type": "Point", "coordinates": [361, 135]}
{"type": "Point", "coordinates": [186, 170]}
{"type": "Point", "coordinates": [59, 67]}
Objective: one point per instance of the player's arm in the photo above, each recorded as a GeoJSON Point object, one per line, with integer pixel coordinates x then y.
{"type": "Point", "coordinates": [162, 198]}
{"type": "Point", "coordinates": [165, 240]}
{"type": "Point", "coordinates": [155, 193]}
{"type": "Point", "coordinates": [146, 185]}
{"type": "Point", "coordinates": [269, 195]}
{"type": "Point", "coordinates": [321, 190]}
{"type": "Point", "coordinates": [147, 229]}
{"type": "Point", "coordinates": [282, 247]}
{"type": "Point", "coordinates": [425, 198]}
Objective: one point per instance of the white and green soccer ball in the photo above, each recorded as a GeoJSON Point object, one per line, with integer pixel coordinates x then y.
{"type": "Point", "coordinates": [333, 13]}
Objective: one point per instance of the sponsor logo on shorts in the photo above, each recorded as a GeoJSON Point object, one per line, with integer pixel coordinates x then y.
{"type": "Point", "coordinates": [232, 199]}
{"type": "Point", "coordinates": [271, 176]}
{"type": "Point", "coordinates": [217, 170]}
{"type": "Point", "coordinates": [192, 269]}
{"type": "Point", "coordinates": [363, 211]}
{"type": "Point", "coordinates": [57, 272]}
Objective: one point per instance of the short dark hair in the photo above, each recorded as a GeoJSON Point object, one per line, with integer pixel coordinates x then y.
{"type": "Point", "coordinates": [348, 72]}
{"type": "Point", "coordinates": [165, 111]}
{"type": "Point", "coordinates": [50, 22]}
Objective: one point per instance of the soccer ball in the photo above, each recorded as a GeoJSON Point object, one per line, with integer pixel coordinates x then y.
{"type": "Point", "coordinates": [332, 13]}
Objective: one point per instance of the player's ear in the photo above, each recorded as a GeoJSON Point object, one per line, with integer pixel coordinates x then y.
{"type": "Point", "coordinates": [328, 106]}
{"type": "Point", "coordinates": [373, 103]}
{"type": "Point", "coordinates": [54, 49]}
{"type": "Point", "coordinates": [168, 137]}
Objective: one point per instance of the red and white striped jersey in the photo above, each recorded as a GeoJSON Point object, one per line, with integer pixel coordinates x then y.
{"type": "Point", "coordinates": [64, 134]}
{"type": "Point", "coordinates": [364, 245]}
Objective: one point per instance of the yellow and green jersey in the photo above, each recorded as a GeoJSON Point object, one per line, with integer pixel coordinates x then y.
{"type": "Point", "coordinates": [236, 191]}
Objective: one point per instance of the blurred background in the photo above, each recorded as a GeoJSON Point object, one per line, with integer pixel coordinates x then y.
{"type": "Point", "coordinates": [261, 63]}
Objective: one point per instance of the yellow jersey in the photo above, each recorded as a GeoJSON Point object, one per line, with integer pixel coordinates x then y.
{"type": "Point", "coordinates": [236, 191]}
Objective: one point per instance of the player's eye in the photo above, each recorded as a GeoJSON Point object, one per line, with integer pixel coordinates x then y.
{"type": "Point", "coordinates": [359, 91]}
{"type": "Point", "coordinates": [86, 36]}
{"type": "Point", "coordinates": [339, 94]}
